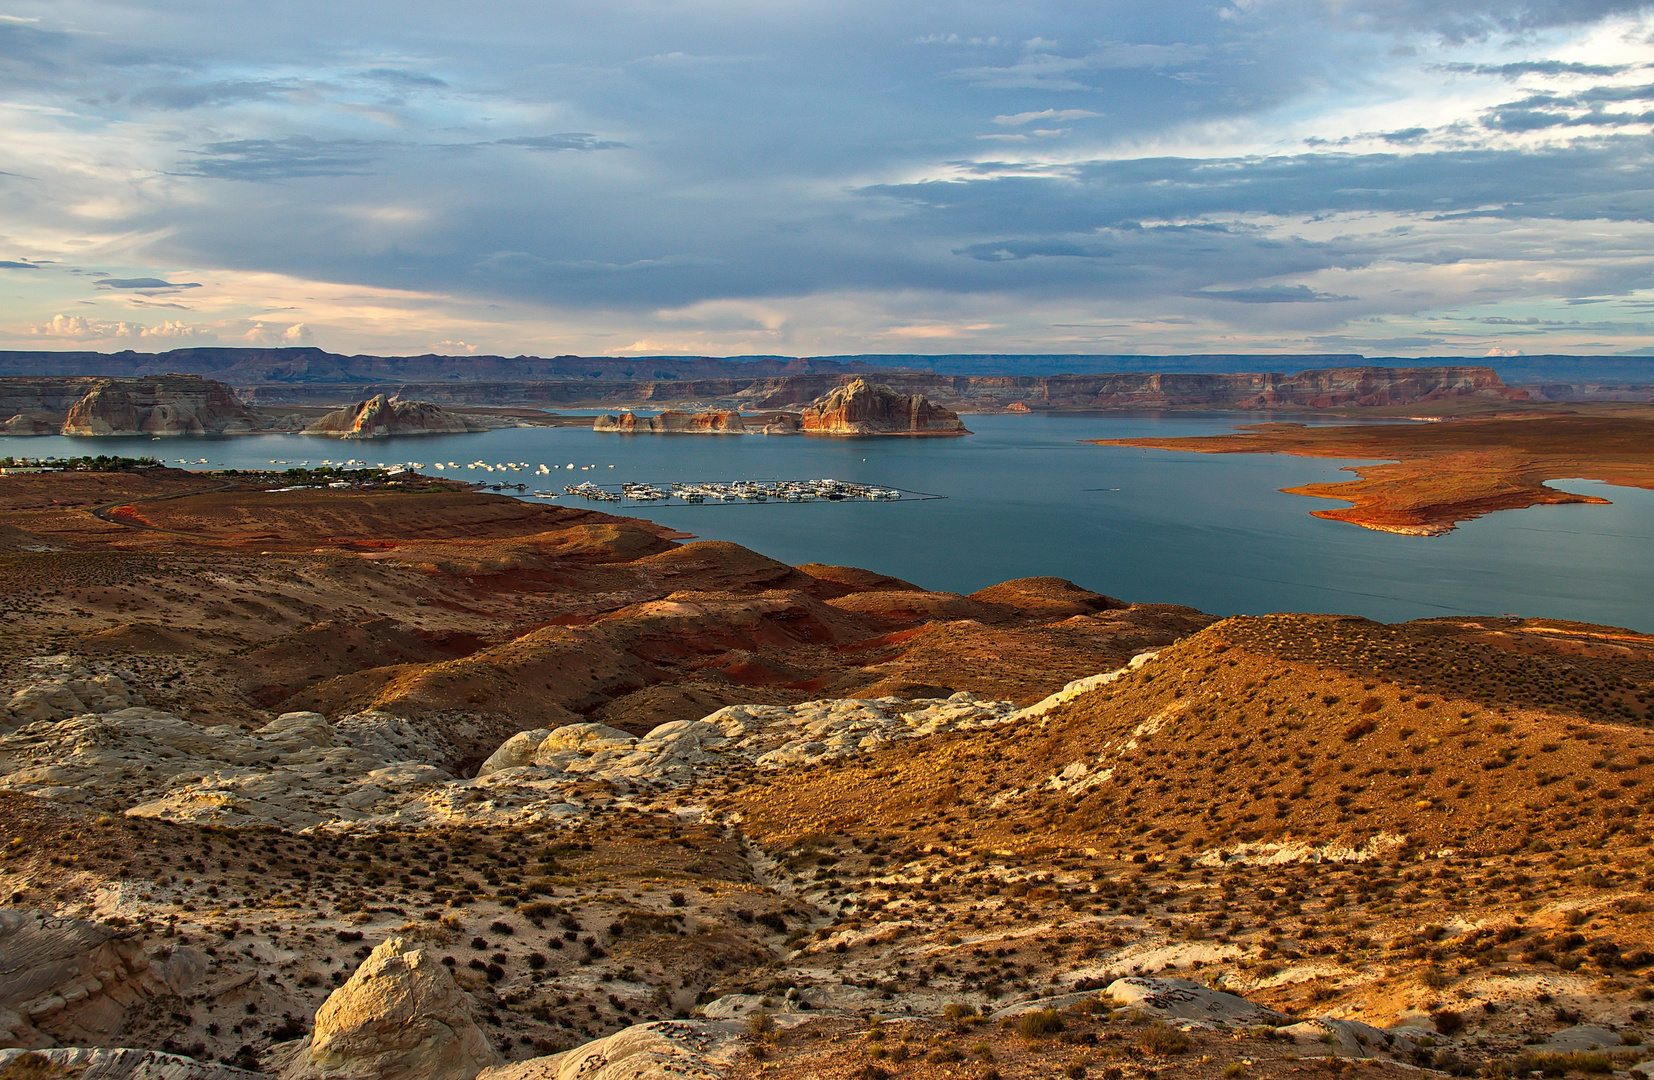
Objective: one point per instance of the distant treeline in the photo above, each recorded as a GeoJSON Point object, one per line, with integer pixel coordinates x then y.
{"type": "Point", "coordinates": [101, 463]}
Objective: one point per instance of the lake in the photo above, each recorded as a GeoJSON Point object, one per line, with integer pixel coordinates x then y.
{"type": "Point", "coordinates": [1025, 497]}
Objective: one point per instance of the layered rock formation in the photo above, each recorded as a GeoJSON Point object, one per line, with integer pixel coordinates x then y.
{"type": "Point", "coordinates": [673, 421]}
{"type": "Point", "coordinates": [381, 416]}
{"type": "Point", "coordinates": [864, 408]}
{"type": "Point", "coordinates": [399, 1017]}
{"type": "Point", "coordinates": [74, 979]}
{"type": "Point", "coordinates": [159, 405]}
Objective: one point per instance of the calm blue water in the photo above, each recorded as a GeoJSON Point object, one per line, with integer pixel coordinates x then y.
{"type": "Point", "coordinates": [1025, 497]}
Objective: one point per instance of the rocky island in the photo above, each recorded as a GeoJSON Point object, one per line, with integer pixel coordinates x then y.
{"type": "Point", "coordinates": [865, 408]}
{"type": "Point", "coordinates": [380, 417]}
{"type": "Point", "coordinates": [673, 421]}
{"type": "Point", "coordinates": [149, 405]}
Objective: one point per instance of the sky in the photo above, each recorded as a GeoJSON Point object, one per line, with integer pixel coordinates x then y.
{"type": "Point", "coordinates": [729, 177]}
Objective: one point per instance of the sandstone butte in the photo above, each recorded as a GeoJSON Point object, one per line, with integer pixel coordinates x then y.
{"type": "Point", "coordinates": [153, 405]}
{"type": "Point", "coordinates": [864, 408]}
{"type": "Point", "coordinates": [673, 421]}
{"type": "Point", "coordinates": [380, 416]}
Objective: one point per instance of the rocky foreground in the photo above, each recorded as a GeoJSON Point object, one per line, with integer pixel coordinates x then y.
{"type": "Point", "coordinates": [578, 800]}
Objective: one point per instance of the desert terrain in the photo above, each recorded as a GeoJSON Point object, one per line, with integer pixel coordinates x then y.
{"type": "Point", "coordinates": [566, 794]}
{"type": "Point", "coordinates": [1455, 467]}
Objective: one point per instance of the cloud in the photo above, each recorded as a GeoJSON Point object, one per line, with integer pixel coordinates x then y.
{"type": "Point", "coordinates": [147, 284]}
{"type": "Point", "coordinates": [12, 264]}
{"type": "Point", "coordinates": [288, 158]}
{"type": "Point", "coordinates": [567, 140]}
{"type": "Point", "coordinates": [78, 328]}
{"type": "Point", "coordinates": [1269, 294]}
{"type": "Point", "coordinates": [207, 95]}
{"type": "Point", "coordinates": [1010, 250]}
{"type": "Point", "coordinates": [1058, 115]}
{"type": "Point", "coordinates": [1048, 71]}
{"type": "Point", "coordinates": [261, 334]}
{"type": "Point", "coordinates": [1518, 69]}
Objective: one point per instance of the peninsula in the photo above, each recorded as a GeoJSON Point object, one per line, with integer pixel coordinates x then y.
{"type": "Point", "coordinates": [1434, 475]}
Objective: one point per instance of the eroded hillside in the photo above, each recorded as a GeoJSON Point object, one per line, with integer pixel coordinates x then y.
{"type": "Point", "coordinates": [599, 777]}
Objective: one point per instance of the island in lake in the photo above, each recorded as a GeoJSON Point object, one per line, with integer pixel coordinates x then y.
{"type": "Point", "coordinates": [1434, 475]}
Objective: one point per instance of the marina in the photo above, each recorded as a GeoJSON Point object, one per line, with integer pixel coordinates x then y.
{"type": "Point", "coordinates": [737, 491]}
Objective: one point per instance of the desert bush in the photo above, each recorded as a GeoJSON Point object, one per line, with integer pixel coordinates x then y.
{"type": "Point", "coordinates": [1039, 1022]}
{"type": "Point", "coordinates": [1160, 1038]}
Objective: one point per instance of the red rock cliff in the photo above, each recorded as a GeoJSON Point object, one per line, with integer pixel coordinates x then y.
{"type": "Point", "coordinates": [673, 421]}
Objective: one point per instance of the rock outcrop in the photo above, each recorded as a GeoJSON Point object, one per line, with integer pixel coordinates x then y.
{"type": "Point", "coordinates": [661, 1050]}
{"type": "Point", "coordinates": [400, 1016]}
{"type": "Point", "coordinates": [72, 980]}
{"type": "Point", "coordinates": [381, 416]}
{"type": "Point", "coordinates": [673, 421]}
{"type": "Point", "coordinates": [372, 769]}
{"type": "Point", "coordinates": [83, 1063]}
{"type": "Point", "coordinates": [159, 405]}
{"type": "Point", "coordinates": [864, 408]}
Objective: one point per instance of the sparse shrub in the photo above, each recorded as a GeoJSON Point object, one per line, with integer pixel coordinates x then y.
{"type": "Point", "coordinates": [1448, 1022]}
{"type": "Point", "coordinates": [946, 1055]}
{"type": "Point", "coordinates": [958, 1010]}
{"type": "Point", "coordinates": [1234, 1071]}
{"type": "Point", "coordinates": [1160, 1038]}
{"type": "Point", "coordinates": [760, 1024]}
{"type": "Point", "coordinates": [1433, 977]}
{"type": "Point", "coordinates": [1038, 1023]}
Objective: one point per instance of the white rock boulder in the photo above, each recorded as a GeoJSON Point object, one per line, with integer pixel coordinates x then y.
{"type": "Point", "coordinates": [400, 1016]}
{"type": "Point", "coordinates": [1181, 999]}
{"type": "Point", "coordinates": [661, 1050]}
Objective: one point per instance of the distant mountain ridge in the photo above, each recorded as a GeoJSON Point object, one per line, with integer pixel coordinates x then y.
{"type": "Point", "coordinates": [245, 366]}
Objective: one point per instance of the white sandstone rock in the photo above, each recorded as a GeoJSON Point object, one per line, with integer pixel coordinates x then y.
{"type": "Point", "coordinates": [400, 1016]}
{"type": "Point", "coordinates": [660, 1050]}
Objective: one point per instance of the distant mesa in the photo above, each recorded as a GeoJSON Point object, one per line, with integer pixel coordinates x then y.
{"type": "Point", "coordinates": [673, 421]}
{"type": "Point", "coordinates": [380, 417]}
{"type": "Point", "coordinates": [152, 405]}
{"type": "Point", "coordinates": [864, 408]}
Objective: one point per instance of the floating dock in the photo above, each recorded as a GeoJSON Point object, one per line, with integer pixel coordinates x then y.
{"type": "Point", "coordinates": [737, 492]}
